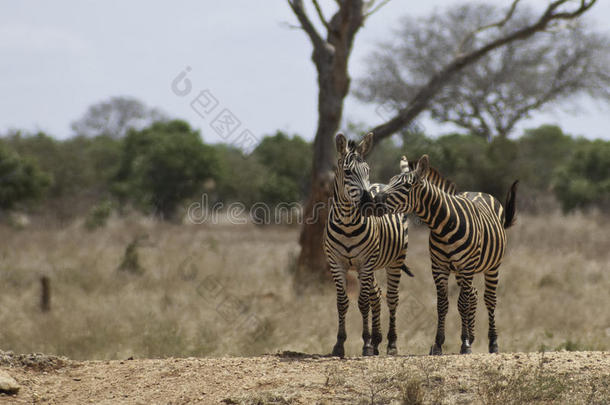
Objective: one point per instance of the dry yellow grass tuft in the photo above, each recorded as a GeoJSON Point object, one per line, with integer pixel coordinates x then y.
{"type": "Point", "coordinates": [211, 290]}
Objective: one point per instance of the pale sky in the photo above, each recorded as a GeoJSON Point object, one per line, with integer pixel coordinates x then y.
{"type": "Point", "coordinates": [59, 57]}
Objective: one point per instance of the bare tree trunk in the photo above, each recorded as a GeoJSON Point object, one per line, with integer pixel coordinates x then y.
{"type": "Point", "coordinates": [330, 57]}
{"type": "Point", "coordinates": [312, 262]}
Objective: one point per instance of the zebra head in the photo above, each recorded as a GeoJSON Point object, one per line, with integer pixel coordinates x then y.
{"type": "Point", "coordinates": [400, 193]}
{"type": "Point", "coordinates": [352, 175]}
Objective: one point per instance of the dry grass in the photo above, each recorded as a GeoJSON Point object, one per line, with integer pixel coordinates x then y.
{"type": "Point", "coordinates": [533, 378]}
{"type": "Point", "coordinates": [209, 290]}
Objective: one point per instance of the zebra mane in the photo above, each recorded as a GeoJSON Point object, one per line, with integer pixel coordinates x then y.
{"type": "Point", "coordinates": [436, 178]}
{"type": "Point", "coordinates": [351, 145]}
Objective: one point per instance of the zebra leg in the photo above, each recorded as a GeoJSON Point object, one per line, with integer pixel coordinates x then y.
{"type": "Point", "coordinates": [442, 305]}
{"type": "Point", "coordinates": [365, 277]}
{"type": "Point", "coordinates": [342, 304]}
{"type": "Point", "coordinates": [491, 282]}
{"type": "Point", "coordinates": [393, 279]}
{"type": "Point", "coordinates": [472, 313]}
{"type": "Point", "coordinates": [375, 298]}
{"type": "Point", "coordinates": [464, 301]}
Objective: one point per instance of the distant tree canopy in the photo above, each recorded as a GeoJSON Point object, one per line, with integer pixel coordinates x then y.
{"type": "Point", "coordinates": [288, 163]}
{"type": "Point", "coordinates": [583, 181]}
{"type": "Point", "coordinates": [20, 179]}
{"type": "Point", "coordinates": [162, 165]}
{"type": "Point", "coordinates": [541, 151]}
{"type": "Point", "coordinates": [115, 117]}
{"type": "Point", "coordinates": [491, 95]}
{"type": "Point", "coordinates": [546, 161]}
{"type": "Point", "coordinates": [278, 170]}
{"type": "Point", "coordinates": [76, 165]}
{"type": "Point", "coordinates": [160, 168]}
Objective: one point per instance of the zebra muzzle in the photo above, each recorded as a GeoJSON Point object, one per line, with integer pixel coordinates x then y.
{"type": "Point", "coordinates": [380, 205]}
{"type": "Point", "coordinates": [367, 205]}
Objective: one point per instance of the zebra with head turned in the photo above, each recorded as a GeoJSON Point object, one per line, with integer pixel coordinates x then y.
{"type": "Point", "coordinates": [353, 241]}
{"type": "Point", "coordinates": [467, 236]}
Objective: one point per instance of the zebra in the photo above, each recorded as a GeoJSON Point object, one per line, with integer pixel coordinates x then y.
{"type": "Point", "coordinates": [366, 244]}
{"type": "Point", "coordinates": [467, 236]}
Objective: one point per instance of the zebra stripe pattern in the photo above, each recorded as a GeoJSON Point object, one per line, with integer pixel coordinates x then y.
{"type": "Point", "coordinates": [366, 244]}
{"type": "Point", "coordinates": [467, 236]}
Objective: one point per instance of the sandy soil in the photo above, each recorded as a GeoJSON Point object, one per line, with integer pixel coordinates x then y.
{"type": "Point", "coordinates": [290, 377]}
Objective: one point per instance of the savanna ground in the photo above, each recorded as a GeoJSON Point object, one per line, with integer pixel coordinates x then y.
{"type": "Point", "coordinates": [218, 290]}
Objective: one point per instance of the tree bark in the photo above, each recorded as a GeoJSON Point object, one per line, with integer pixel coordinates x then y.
{"type": "Point", "coordinates": [330, 56]}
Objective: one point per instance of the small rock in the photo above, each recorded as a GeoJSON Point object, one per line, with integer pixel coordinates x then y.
{"type": "Point", "coordinates": [8, 384]}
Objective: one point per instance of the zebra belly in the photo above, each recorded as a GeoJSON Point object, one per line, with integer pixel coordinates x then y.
{"type": "Point", "coordinates": [375, 255]}
{"type": "Point", "coordinates": [485, 251]}
{"type": "Point", "coordinates": [373, 258]}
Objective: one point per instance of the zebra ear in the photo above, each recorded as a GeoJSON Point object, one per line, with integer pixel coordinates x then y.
{"type": "Point", "coordinates": [365, 146]}
{"type": "Point", "coordinates": [423, 164]}
{"type": "Point", "coordinates": [341, 143]}
{"type": "Point", "coordinates": [404, 164]}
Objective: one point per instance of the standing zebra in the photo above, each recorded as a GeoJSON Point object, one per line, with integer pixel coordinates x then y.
{"type": "Point", "coordinates": [466, 237]}
{"type": "Point", "coordinates": [353, 241]}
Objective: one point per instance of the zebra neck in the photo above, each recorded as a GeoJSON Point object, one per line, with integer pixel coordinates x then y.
{"type": "Point", "coordinates": [343, 210]}
{"type": "Point", "coordinates": [431, 206]}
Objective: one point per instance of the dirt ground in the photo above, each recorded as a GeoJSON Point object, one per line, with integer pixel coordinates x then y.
{"type": "Point", "coordinates": [288, 377]}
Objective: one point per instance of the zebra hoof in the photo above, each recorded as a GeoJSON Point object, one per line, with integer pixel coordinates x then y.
{"type": "Point", "coordinates": [375, 351]}
{"type": "Point", "coordinates": [436, 350]}
{"type": "Point", "coordinates": [338, 351]}
{"type": "Point", "coordinates": [465, 348]}
{"type": "Point", "coordinates": [392, 351]}
{"type": "Point", "coordinates": [493, 347]}
{"type": "Point", "coordinates": [368, 351]}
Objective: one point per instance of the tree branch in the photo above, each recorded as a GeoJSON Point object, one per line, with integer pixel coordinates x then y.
{"type": "Point", "coordinates": [306, 25]}
{"type": "Point", "coordinates": [320, 14]}
{"type": "Point", "coordinates": [374, 8]}
{"type": "Point", "coordinates": [498, 24]}
{"type": "Point", "coordinates": [422, 98]}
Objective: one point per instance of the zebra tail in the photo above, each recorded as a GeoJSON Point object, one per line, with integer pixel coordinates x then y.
{"type": "Point", "coordinates": [510, 207]}
{"type": "Point", "coordinates": [406, 270]}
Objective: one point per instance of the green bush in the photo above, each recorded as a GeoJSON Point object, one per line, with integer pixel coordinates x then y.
{"type": "Point", "coordinates": [162, 165]}
{"type": "Point", "coordinates": [240, 177]}
{"type": "Point", "coordinates": [20, 179]}
{"type": "Point", "coordinates": [288, 163]}
{"type": "Point", "coordinates": [76, 165]}
{"type": "Point", "coordinates": [584, 180]}
{"type": "Point", "coordinates": [541, 151]}
{"type": "Point", "coordinates": [98, 215]}
{"type": "Point", "coordinates": [278, 170]}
